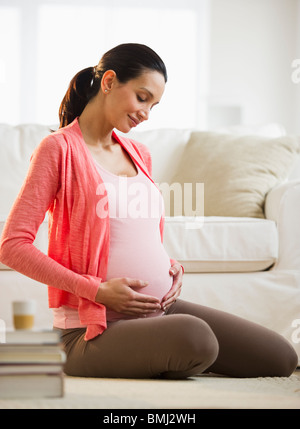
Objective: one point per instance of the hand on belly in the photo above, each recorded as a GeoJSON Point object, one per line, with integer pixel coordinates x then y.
{"type": "Point", "coordinates": [119, 295]}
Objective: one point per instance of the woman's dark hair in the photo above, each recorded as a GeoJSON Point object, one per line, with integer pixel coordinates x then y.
{"type": "Point", "coordinates": [128, 61]}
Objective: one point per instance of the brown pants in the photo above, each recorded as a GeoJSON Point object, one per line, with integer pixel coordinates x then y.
{"type": "Point", "coordinates": [189, 340]}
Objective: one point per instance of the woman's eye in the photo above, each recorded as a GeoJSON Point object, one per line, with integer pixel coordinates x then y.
{"type": "Point", "coordinates": [142, 100]}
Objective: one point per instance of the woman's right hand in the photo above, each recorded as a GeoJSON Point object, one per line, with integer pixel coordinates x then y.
{"type": "Point", "coordinates": [118, 295]}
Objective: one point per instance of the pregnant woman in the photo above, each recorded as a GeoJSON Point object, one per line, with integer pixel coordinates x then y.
{"type": "Point", "coordinates": [112, 287]}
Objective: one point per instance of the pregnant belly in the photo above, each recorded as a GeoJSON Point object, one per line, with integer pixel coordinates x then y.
{"type": "Point", "coordinates": [151, 265]}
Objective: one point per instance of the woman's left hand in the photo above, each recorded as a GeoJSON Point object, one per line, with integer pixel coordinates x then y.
{"type": "Point", "coordinates": [174, 292]}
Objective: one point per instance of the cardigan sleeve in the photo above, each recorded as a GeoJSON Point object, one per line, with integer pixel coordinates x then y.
{"type": "Point", "coordinates": [37, 194]}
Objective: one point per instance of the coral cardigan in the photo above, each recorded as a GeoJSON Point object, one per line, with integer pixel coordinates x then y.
{"type": "Point", "coordinates": [62, 180]}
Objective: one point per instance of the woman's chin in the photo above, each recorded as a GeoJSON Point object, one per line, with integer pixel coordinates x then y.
{"type": "Point", "coordinates": [123, 129]}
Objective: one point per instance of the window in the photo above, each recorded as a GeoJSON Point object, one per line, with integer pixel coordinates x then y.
{"type": "Point", "coordinates": [9, 64]}
{"type": "Point", "coordinates": [51, 41]}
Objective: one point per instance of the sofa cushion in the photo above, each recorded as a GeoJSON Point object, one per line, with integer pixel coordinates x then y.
{"type": "Point", "coordinates": [210, 244]}
{"type": "Point", "coordinates": [237, 171]}
{"type": "Point", "coordinates": [166, 147]}
{"type": "Point", "coordinates": [221, 244]}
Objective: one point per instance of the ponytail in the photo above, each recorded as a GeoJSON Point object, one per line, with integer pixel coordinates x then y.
{"type": "Point", "coordinates": [82, 88]}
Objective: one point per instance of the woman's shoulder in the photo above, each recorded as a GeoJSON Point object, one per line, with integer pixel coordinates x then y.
{"type": "Point", "coordinates": [58, 140]}
{"type": "Point", "coordinates": [139, 147]}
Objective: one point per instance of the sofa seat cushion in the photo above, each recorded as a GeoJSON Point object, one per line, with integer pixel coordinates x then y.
{"type": "Point", "coordinates": [221, 244]}
{"type": "Point", "coordinates": [209, 244]}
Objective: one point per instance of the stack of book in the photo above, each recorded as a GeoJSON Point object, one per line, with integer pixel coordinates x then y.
{"type": "Point", "coordinates": [31, 365]}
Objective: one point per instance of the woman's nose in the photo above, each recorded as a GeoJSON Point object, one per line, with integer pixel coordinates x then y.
{"type": "Point", "coordinates": [144, 114]}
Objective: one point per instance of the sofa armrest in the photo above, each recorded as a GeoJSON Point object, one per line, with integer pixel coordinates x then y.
{"type": "Point", "coordinates": [282, 205]}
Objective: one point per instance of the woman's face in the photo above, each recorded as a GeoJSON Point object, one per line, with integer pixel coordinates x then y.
{"type": "Point", "coordinates": [129, 104]}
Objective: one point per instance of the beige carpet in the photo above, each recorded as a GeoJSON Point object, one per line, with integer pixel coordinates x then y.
{"type": "Point", "coordinates": [203, 392]}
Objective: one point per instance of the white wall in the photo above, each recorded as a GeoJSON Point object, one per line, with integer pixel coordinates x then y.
{"type": "Point", "coordinates": [253, 43]}
{"type": "Point", "coordinates": [233, 56]}
{"type": "Point", "coordinates": [44, 43]}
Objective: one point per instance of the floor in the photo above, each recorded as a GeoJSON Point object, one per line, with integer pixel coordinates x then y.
{"type": "Point", "coordinates": [203, 392]}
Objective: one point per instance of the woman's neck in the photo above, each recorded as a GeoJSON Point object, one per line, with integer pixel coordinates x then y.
{"type": "Point", "coordinates": [94, 127]}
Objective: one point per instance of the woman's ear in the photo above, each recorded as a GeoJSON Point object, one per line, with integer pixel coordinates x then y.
{"type": "Point", "coordinates": [108, 80]}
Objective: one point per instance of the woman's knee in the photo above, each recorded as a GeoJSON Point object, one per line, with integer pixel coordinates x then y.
{"type": "Point", "coordinates": [287, 360]}
{"type": "Point", "coordinates": [196, 340]}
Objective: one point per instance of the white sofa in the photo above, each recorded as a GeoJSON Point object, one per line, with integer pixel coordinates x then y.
{"type": "Point", "coordinates": [246, 265]}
